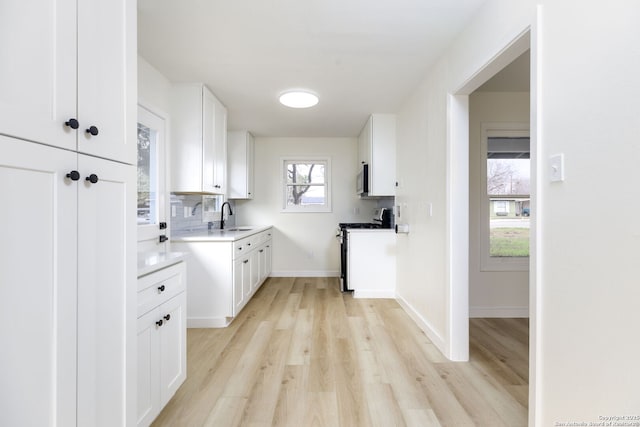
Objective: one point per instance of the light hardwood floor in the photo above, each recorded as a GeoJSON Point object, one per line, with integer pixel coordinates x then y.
{"type": "Point", "coordinates": [303, 354]}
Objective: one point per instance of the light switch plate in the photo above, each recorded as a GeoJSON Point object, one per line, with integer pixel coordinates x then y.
{"type": "Point", "coordinates": [556, 163]}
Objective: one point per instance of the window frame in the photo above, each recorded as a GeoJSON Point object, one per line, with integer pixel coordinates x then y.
{"type": "Point", "coordinates": [145, 116]}
{"type": "Point", "coordinates": [324, 208]}
{"type": "Point", "coordinates": [487, 262]}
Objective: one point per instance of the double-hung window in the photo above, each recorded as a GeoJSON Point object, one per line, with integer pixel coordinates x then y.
{"type": "Point", "coordinates": [306, 185]}
{"type": "Point", "coordinates": [506, 208]}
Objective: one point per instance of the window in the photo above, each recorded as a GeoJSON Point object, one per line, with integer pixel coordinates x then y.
{"type": "Point", "coordinates": [505, 215]}
{"type": "Point", "coordinates": [306, 185]}
{"type": "Point", "coordinates": [151, 209]}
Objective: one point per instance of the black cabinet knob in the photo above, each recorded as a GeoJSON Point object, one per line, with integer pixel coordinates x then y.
{"type": "Point", "coordinates": [163, 238]}
{"type": "Point", "coordinates": [92, 130]}
{"type": "Point", "coordinates": [261, 250]}
{"type": "Point", "coordinates": [163, 225]}
{"type": "Point", "coordinates": [245, 261]}
{"type": "Point", "coordinates": [167, 317]}
{"type": "Point", "coordinates": [159, 322]}
{"type": "Point", "coordinates": [73, 175]}
{"type": "Point", "coordinates": [72, 123]}
{"type": "Point", "coordinates": [161, 288]}
{"type": "Point", "coordinates": [93, 178]}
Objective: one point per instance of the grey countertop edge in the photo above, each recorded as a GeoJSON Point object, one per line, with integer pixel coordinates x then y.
{"type": "Point", "coordinates": [218, 235]}
{"type": "Point", "coordinates": [149, 262]}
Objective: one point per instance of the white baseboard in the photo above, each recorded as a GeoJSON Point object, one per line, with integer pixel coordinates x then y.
{"type": "Point", "coordinates": [309, 273]}
{"type": "Point", "coordinates": [498, 311]}
{"type": "Point", "coordinates": [374, 293]}
{"type": "Point", "coordinates": [208, 322]}
{"type": "Point", "coordinates": [426, 327]}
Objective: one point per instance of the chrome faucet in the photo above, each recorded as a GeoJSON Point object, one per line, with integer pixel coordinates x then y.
{"type": "Point", "coordinates": [222, 213]}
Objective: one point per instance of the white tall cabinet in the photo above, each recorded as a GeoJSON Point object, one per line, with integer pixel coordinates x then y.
{"type": "Point", "coordinates": [68, 250]}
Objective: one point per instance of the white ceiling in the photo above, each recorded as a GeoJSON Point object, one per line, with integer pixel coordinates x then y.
{"type": "Point", "coordinates": [359, 56]}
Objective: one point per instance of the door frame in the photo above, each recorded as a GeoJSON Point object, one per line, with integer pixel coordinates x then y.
{"type": "Point", "coordinates": [458, 201]}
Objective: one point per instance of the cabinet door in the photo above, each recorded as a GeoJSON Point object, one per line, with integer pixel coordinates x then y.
{"type": "Point", "coordinates": [148, 368]}
{"type": "Point", "coordinates": [240, 147]}
{"type": "Point", "coordinates": [262, 253]}
{"type": "Point", "coordinates": [220, 148]}
{"type": "Point", "coordinates": [38, 76]}
{"type": "Point", "coordinates": [238, 280]}
{"type": "Point", "coordinates": [208, 141]}
{"type": "Point", "coordinates": [107, 90]}
{"type": "Point", "coordinates": [173, 346]}
{"type": "Point", "coordinates": [254, 264]}
{"type": "Point", "coordinates": [364, 144]}
{"type": "Point", "coordinates": [268, 258]}
{"type": "Point", "coordinates": [106, 292]}
{"type": "Point", "coordinates": [38, 285]}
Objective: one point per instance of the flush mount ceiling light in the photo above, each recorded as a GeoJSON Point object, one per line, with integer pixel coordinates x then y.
{"type": "Point", "coordinates": [298, 99]}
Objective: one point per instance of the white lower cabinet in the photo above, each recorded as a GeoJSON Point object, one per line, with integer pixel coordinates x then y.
{"type": "Point", "coordinates": [223, 276]}
{"type": "Point", "coordinates": [371, 259]}
{"type": "Point", "coordinates": [162, 339]}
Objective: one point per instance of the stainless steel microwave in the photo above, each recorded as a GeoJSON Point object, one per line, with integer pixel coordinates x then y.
{"type": "Point", "coordinates": [362, 180]}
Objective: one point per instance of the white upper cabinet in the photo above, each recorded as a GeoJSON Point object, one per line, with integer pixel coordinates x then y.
{"type": "Point", "coordinates": [240, 146]}
{"type": "Point", "coordinates": [377, 148]}
{"type": "Point", "coordinates": [72, 67]}
{"type": "Point", "coordinates": [198, 143]}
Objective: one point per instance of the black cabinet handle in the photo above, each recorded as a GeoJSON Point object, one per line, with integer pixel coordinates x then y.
{"type": "Point", "coordinates": [245, 261]}
{"type": "Point", "coordinates": [167, 317]}
{"type": "Point", "coordinates": [73, 175]}
{"type": "Point", "coordinates": [92, 130]}
{"type": "Point", "coordinates": [72, 123]}
{"type": "Point", "coordinates": [159, 322]}
{"type": "Point", "coordinates": [161, 288]}
{"type": "Point", "coordinates": [261, 250]}
{"type": "Point", "coordinates": [248, 244]}
{"type": "Point", "coordinates": [163, 225]}
{"type": "Point", "coordinates": [163, 238]}
{"type": "Point", "coordinates": [93, 178]}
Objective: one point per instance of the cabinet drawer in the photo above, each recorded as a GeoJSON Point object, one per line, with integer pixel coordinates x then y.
{"type": "Point", "coordinates": [160, 286]}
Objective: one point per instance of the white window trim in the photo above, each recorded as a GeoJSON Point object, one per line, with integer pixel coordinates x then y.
{"type": "Point", "coordinates": [146, 115]}
{"type": "Point", "coordinates": [488, 263]}
{"type": "Point", "coordinates": [283, 184]}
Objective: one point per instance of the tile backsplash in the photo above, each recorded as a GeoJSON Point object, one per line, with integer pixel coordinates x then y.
{"type": "Point", "coordinates": [189, 211]}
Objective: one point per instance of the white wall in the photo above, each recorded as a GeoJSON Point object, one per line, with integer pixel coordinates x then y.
{"type": "Point", "coordinates": [492, 293]}
{"type": "Point", "coordinates": [585, 318]}
{"type": "Point", "coordinates": [304, 243]}
{"type": "Point", "coordinates": [153, 87]}
{"type": "Point", "coordinates": [589, 301]}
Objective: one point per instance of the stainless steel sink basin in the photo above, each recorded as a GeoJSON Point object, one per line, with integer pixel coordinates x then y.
{"type": "Point", "coordinates": [237, 229]}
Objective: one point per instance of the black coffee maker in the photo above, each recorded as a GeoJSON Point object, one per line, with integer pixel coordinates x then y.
{"type": "Point", "coordinates": [384, 217]}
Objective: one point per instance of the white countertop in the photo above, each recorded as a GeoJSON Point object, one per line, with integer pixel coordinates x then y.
{"type": "Point", "coordinates": [148, 262]}
{"type": "Point", "coordinates": [230, 234]}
